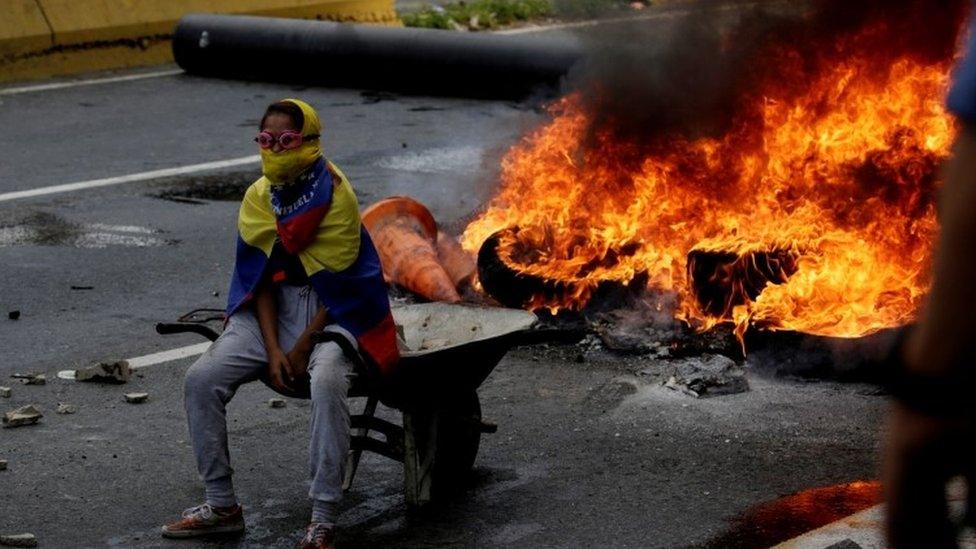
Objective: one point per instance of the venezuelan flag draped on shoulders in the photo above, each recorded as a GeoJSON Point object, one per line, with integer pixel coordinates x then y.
{"type": "Point", "coordinates": [316, 218]}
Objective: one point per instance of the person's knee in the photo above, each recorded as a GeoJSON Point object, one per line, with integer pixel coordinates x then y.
{"type": "Point", "coordinates": [198, 382]}
{"type": "Point", "coordinates": [330, 375]}
{"type": "Point", "coordinates": [330, 381]}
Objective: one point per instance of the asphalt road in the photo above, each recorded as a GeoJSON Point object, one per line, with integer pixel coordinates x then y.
{"type": "Point", "coordinates": [588, 453]}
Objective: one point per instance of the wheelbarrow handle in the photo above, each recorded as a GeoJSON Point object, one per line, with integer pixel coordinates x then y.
{"type": "Point", "coordinates": [180, 328]}
{"type": "Point", "coordinates": [548, 335]}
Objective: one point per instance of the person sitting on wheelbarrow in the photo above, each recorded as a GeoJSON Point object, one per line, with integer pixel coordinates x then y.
{"type": "Point", "coordinates": [304, 264]}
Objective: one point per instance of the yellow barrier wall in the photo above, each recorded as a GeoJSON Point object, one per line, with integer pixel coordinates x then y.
{"type": "Point", "coordinates": [22, 28]}
{"type": "Point", "coordinates": [43, 38]}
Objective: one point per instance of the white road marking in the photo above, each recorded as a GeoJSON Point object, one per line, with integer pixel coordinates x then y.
{"type": "Point", "coordinates": [168, 356]}
{"type": "Point", "coordinates": [131, 178]}
{"type": "Point", "coordinates": [120, 228]}
{"type": "Point", "coordinates": [88, 82]}
{"type": "Point", "coordinates": [864, 528]}
{"type": "Point", "coordinates": [89, 235]}
{"type": "Point", "coordinates": [464, 159]}
{"type": "Point", "coordinates": [155, 358]}
{"type": "Point", "coordinates": [98, 240]}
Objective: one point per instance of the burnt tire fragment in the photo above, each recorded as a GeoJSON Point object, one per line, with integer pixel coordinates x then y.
{"type": "Point", "coordinates": [723, 280]}
{"type": "Point", "coordinates": [518, 290]}
{"type": "Point", "coordinates": [508, 287]}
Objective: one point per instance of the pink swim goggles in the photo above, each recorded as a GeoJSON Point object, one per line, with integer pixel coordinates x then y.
{"type": "Point", "coordinates": [287, 139]}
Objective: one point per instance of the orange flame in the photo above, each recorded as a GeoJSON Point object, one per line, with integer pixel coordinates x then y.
{"type": "Point", "coordinates": [838, 179]}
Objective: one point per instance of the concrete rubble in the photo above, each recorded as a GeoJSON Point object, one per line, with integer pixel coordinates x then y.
{"type": "Point", "coordinates": [25, 415]}
{"type": "Point", "coordinates": [105, 372]}
{"type": "Point", "coordinates": [623, 342]}
{"type": "Point", "coordinates": [276, 402]}
{"type": "Point", "coordinates": [136, 398]}
{"type": "Point", "coordinates": [18, 540]}
{"type": "Point", "coordinates": [30, 379]}
{"type": "Point", "coordinates": [709, 375]}
{"type": "Point", "coordinates": [39, 379]}
{"type": "Point", "coordinates": [66, 408]}
{"type": "Point", "coordinates": [5, 392]}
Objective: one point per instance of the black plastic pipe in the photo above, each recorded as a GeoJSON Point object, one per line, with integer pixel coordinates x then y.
{"type": "Point", "coordinates": [417, 61]}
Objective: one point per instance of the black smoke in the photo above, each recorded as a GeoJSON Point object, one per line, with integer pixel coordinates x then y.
{"type": "Point", "coordinates": [694, 71]}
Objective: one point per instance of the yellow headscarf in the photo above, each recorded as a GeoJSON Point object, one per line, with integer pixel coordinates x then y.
{"type": "Point", "coordinates": [284, 167]}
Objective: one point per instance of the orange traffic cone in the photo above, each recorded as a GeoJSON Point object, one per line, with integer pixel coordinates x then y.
{"type": "Point", "coordinates": [459, 264]}
{"type": "Point", "coordinates": [405, 234]}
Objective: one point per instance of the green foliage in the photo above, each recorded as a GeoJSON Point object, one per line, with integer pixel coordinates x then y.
{"type": "Point", "coordinates": [427, 18]}
{"type": "Point", "coordinates": [478, 14]}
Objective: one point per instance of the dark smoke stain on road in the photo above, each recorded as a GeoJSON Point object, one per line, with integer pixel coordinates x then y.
{"type": "Point", "coordinates": [786, 518]}
{"type": "Point", "coordinates": [192, 189]}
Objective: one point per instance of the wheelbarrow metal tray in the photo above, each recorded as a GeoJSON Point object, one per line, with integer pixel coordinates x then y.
{"type": "Point", "coordinates": [453, 348]}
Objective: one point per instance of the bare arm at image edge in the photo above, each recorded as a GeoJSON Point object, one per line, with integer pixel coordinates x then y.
{"type": "Point", "coordinates": [930, 424]}
{"type": "Point", "coordinates": [266, 309]}
{"type": "Point", "coordinates": [944, 333]}
{"type": "Point", "coordinates": [300, 353]}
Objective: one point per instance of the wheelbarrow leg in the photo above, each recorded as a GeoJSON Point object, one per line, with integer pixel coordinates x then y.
{"type": "Point", "coordinates": [352, 459]}
{"type": "Point", "coordinates": [420, 449]}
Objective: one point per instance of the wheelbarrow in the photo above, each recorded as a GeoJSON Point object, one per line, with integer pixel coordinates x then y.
{"type": "Point", "coordinates": [450, 351]}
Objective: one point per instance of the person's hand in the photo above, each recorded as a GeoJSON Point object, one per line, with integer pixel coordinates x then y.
{"type": "Point", "coordinates": [279, 370]}
{"type": "Point", "coordinates": [922, 453]}
{"type": "Point", "coordinates": [298, 358]}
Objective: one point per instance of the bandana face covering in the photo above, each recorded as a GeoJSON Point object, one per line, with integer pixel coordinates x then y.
{"type": "Point", "coordinates": [283, 168]}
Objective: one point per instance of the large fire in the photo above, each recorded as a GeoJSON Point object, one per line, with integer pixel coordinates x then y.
{"type": "Point", "coordinates": [814, 213]}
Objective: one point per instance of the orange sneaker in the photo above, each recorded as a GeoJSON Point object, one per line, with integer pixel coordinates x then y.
{"type": "Point", "coordinates": [318, 536]}
{"type": "Point", "coordinates": [202, 520]}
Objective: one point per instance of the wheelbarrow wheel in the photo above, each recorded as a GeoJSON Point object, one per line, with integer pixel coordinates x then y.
{"type": "Point", "coordinates": [458, 440]}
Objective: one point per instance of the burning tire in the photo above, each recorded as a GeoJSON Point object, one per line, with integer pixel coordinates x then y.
{"type": "Point", "coordinates": [505, 284]}
{"type": "Point", "coordinates": [519, 290]}
{"type": "Point", "coordinates": [722, 280]}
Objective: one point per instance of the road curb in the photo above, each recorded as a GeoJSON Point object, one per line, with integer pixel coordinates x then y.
{"type": "Point", "coordinates": [47, 38]}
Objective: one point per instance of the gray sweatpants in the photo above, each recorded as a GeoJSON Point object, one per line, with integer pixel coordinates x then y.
{"type": "Point", "coordinates": [239, 356]}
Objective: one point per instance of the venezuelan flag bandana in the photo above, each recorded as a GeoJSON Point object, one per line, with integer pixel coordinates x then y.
{"type": "Point", "coordinates": [316, 218]}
